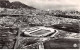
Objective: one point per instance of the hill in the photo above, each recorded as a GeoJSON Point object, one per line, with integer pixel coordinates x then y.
{"type": "Point", "coordinates": [13, 5]}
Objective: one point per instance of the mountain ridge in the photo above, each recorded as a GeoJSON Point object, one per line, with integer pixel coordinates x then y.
{"type": "Point", "coordinates": [14, 5]}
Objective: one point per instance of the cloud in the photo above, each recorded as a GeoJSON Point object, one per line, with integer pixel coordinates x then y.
{"type": "Point", "coordinates": [50, 3]}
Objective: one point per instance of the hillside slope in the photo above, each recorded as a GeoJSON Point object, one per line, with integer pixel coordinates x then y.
{"type": "Point", "coordinates": [13, 5]}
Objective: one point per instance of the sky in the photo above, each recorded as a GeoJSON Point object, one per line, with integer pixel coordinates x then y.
{"type": "Point", "coordinates": [52, 4]}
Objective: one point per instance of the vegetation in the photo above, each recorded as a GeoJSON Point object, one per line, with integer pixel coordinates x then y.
{"type": "Point", "coordinates": [23, 16]}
